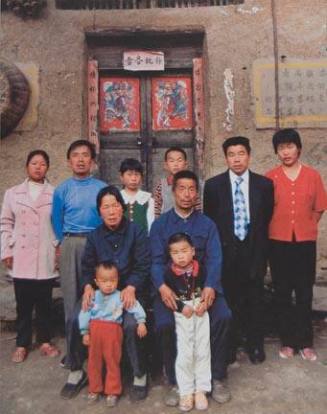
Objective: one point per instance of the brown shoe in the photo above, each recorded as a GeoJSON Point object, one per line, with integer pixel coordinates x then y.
{"type": "Point", "coordinates": [19, 355]}
{"type": "Point", "coordinates": [220, 392]}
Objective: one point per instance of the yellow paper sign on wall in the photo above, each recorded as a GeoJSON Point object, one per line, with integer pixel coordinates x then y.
{"type": "Point", "coordinates": [302, 93]}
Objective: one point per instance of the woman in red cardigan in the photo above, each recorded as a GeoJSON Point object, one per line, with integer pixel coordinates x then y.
{"type": "Point", "coordinates": [300, 200]}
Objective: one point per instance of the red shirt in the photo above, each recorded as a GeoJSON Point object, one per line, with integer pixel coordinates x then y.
{"type": "Point", "coordinates": [296, 202]}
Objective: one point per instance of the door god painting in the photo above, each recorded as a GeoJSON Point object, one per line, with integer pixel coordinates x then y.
{"type": "Point", "coordinates": [172, 103]}
{"type": "Point", "coordinates": [119, 104]}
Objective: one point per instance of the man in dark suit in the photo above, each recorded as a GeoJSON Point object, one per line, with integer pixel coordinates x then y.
{"type": "Point", "coordinates": [240, 202]}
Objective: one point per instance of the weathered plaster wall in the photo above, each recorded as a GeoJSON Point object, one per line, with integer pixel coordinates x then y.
{"type": "Point", "coordinates": [235, 37]}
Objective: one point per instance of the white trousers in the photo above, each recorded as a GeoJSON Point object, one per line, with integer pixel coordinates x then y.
{"type": "Point", "coordinates": [193, 362]}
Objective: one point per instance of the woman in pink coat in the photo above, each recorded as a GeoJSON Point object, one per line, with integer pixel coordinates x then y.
{"type": "Point", "coordinates": [28, 247]}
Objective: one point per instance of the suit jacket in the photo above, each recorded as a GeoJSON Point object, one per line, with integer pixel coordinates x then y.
{"type": "Point", "coordinates": [218, 205]}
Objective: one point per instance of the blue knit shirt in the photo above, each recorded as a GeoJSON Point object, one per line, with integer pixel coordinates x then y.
{"type": "Point", "coordinates": [74, 206]}
{"type": "Point", "coordinates": [108, 308]}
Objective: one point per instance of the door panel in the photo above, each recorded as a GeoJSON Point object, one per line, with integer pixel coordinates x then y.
{"type": "Point", "coordinates": [141, 116]}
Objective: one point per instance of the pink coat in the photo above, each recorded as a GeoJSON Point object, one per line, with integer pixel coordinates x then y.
{"type": "Point", "coordinates": [26, 232]}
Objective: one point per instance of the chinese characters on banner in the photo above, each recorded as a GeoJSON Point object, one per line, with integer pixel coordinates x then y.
{"type": "Point", "coordinates": [302, 94]}
{"type": "Point", "coordinates": [119, 104]}
{"type": "Point", "coordinates": [136, 60]}
{"type": "Point", "coordinates": [198, 97]}
{"type": "Point", "coordinates": [172, 103]}
{"type": "Point", "coordinates": [93, 103]}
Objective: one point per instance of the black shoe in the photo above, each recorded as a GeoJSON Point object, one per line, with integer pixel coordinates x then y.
{"type": "Point", "coordinates": [71, 390]}
{"type": "Point", "coordinates": [138, 392]}
{"type": "Point", "coordinates": [257, 355]}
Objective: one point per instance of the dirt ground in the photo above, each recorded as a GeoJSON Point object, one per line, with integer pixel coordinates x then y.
{"type": "Point", "coordinates": [275, 387]}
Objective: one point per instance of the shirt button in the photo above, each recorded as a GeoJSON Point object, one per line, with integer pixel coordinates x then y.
{"type": "Point", "coordinates": [292, 211]}
{"type": "Point", "coordinates": [292, 221]}
{"type": "Point", "coordinates": [293, 202]}
{"type": "Point", "coordinates": [115, 246]}
{"type": "Point", "coordinates": [293, 192]}
{"type": "Point", "coordinates": [293, 184]}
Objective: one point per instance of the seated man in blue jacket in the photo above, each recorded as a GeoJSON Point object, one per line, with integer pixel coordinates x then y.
{"type": "Point", "coordinates": [203, 232]}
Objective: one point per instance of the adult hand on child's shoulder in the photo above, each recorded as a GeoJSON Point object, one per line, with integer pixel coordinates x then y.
{"type": "Point", "coordinates": [141, 330]}
{"type": "Point", "coordinates": [187, 311]}
{"type": "Point", "coordinates": [87, 297]}
{"type": "Point", "coordinates": [127, 296]}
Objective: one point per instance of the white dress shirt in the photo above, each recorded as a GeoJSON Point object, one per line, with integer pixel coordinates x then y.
{"type": "Point", "coordinates": [244, 187]}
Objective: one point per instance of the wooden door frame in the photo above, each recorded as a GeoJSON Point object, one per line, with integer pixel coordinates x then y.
{"type": "Point", "coordinates": [101, 40]}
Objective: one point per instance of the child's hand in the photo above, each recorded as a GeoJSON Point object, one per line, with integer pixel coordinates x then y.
{"type": "Point", "coordinates": [86, 339]}
{"type": "Point", "coordinates": [187, 311]}
{"type": "Point", "coordinates": [200, 309]}
{"type": "Point", "coordinates": [141, 330]}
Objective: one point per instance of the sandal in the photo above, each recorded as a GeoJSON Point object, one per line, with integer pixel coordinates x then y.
{"type": "Point", "coordinates": [49, 350]}
{"type": "Point", "coordinates": [308, 354]}
{"type": "Point", "coordinates": [19, 355]}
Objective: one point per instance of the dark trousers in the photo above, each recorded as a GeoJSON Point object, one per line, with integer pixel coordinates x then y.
{"type": "Point", "coordinates": [32, 294]}
{"type": "Point", "coordinates": [220, 317]}
{"type": "Point", "coordinates": [134, 346]}
{"type": "Point", "coordinates": [245, 299]}
{"type": "Point", "coordinates": [293, 270]}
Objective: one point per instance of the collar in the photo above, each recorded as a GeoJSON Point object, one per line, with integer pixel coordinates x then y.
{"type": "Point", "coordinates": [140, 196]}
{"type": "Point", "coordinates": [194, 268]}
{"type": "Point", "coordinates": [233, 177]}
{"type": "Point", "coordinates": [23, 187]}
{"type": "Point", "coordinates": [183, 217]}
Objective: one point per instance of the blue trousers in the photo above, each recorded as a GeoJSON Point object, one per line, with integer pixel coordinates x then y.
{"type": "Point", "coordinates": [220, 321]}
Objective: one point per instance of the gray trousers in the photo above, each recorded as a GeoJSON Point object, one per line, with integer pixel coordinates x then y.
{"type": "Point", "coordinates": [72, 249]}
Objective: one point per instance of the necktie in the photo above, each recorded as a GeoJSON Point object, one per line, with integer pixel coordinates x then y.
{"type": "Point", "coordinates": [241, 221]}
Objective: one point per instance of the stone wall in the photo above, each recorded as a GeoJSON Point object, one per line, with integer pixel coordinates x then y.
{"type": "Point", "coordinates": [235, 37]}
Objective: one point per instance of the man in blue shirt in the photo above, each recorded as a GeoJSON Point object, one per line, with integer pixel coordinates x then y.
{"type": "Point", "coordinates": [74, 215]}
{"type": "Point", "coordinates": [203, 232]}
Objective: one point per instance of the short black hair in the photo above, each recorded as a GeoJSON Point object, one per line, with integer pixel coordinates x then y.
{"type": "Point", "coordinates": [110, 190]}
{"type": "Point", "coordinates": [286, 136]}
{"type": "Point", "coordinates": [38, 152]}
{"type": "Point", "coordinates": [177, 149]}
{"type": "Point", "coordinates": [131, 164]}
{"type": "Point", "coordinates": [236, 141]}
{"type": "Point", "coordinates": [106, 264]}
{"type": "Point", "coordinates": [178, 237]}
{"type": "Point", "coordinates": [185, 174]}
{"type": "Point", "coordinates": [82, 143]}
